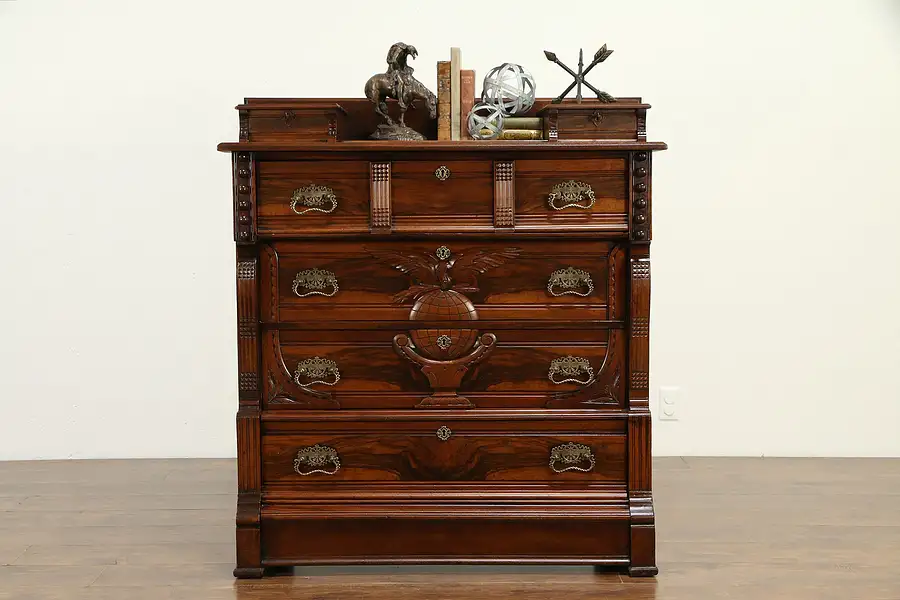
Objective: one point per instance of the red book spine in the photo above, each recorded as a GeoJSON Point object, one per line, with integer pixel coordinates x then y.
{"type": "Point", "coordinates": [466, 102]}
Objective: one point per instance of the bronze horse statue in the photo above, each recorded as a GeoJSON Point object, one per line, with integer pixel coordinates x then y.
{"type": "Point", "coordinates": [398, 83]}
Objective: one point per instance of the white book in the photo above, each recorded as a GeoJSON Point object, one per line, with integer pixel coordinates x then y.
{"type": "Point", "coordinates": [455, 65]}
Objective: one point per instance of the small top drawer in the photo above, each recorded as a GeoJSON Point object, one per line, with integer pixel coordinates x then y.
{"type": "Point", "coordinates": [576, 193]}
{"type": "Point", "coordinates": [296, 197]}
{"type": "Point", "coordinates": [442, 194]}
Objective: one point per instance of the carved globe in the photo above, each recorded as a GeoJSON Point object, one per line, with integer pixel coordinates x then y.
{"type": "Point", "coordinates": [510, 88]}
{"type": "Point", "coordinates": [443, 343]}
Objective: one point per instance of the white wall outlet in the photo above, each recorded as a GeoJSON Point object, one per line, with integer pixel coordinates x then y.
{"type": "Point", "coordinates": [669, 399]}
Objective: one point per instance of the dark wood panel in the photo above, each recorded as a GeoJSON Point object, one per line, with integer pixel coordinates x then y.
{"type": "Point", "coordinates": [366, 287]}
{"type": "Point", "coordinates": [535, 180]}
{"type": "Point", "coordinates": [415, 452]}
{"type": "Point", "coordinates": [441, 539]}
{"type": "Point", "coordinates": [277, 181]}
{"type": "Point", "coordinates": [368, 362]}
{"type": "Point", "coordinates": [417, 191]}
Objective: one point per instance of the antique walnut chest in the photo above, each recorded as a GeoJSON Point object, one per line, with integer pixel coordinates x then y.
{"type": "Point", "coordinates": [443, 346]}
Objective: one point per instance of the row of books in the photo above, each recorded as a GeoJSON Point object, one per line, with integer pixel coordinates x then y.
{"type": "Point", "coordinates": [456, 98]}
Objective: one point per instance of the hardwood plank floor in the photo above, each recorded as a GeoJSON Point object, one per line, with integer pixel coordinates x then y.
{"type": "Point", "coordinates": [728, 528]}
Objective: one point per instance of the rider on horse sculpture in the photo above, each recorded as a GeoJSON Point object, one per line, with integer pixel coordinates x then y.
{"type": "Point", "coordinates": [398, 83]}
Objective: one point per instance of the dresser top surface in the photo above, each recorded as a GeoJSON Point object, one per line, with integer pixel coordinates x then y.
{"type": "Point", "coordinates": [443, 146]}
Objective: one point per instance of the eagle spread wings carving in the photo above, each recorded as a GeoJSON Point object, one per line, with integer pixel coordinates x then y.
{"type": "Point", "coordinates": [442, 270]}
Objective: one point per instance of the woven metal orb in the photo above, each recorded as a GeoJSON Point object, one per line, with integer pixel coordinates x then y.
{"type": "Point", "coordinates": [485, 122]}
{"type": "Point", "coordinates": [510, 88]}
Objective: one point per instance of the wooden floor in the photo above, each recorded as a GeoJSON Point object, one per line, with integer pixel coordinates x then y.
{"type": "Point", "coordinates": [728, 528]}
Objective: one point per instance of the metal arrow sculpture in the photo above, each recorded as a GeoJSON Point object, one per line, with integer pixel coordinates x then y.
{"type": "Point", "coordinates": [601, 55]}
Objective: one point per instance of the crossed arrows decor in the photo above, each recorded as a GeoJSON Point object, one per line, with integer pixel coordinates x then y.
{"type": "Point", "coordinates": [601, 55]}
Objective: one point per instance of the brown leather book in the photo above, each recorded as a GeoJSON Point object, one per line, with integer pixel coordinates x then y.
{"type": "Point", "coordinates": [443, 94]}
{"type": "Point", "coordinates": [466, 101]}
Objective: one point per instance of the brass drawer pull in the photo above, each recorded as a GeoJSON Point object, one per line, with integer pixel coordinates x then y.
{"type": "Point", "coordinates": [315, 198]}
{"type": "Point", "coordinates": [573, 456]}
{"type": "Point", "coordinates": [571, 194]}
{"type": "Point", "coordinates": [569, 281]}
{"type": "Point", "coordinates": [315, 281]}
{"type": "Point", "coordinates": [316, 370]}
{"type": "Point", "coordinates": [314, 459]}
{"type": "Point", "coordinates": [443, 433]}
{"type": "Point", "coordinates": [442, 173]}
{"type": "Point", "coordinates": [570, 369]}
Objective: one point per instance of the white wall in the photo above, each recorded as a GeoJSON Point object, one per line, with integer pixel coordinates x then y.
{"type": "Point", "coordinates": [776, 299]}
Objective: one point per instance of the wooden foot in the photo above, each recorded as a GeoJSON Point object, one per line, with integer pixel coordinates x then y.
{"type": "Point", "coordinates": [643, 571]}
{"type": "Point", "coordinates": [248, 572]}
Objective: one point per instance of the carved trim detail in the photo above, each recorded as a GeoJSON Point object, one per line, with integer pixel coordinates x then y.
{"type": "Point", "coordinates": [552, 125]}
{"type": "Point", "coordinates": [332, 127]}
{"type": "Point", "coordinates": [603, 387]}
{"type": "Point", "coordinates": [247, 328]}
{"type": "Point", "coordinates": [273, 282]}
{"type": "Point", "coordinates": [504, 194]}
{"type": "Point", "coordinates": [640, 327]}
{"type": "Point", "coordinates": [642, 125]}
{"type": "Point", "coordinates": [640, 269]}
{"type": "Point", "coordinates": [281, 381]}
{"type": "Point", "coordinates": [246, 269]}
{"type": "Point", "coordinates": [640, 380]}
{"type": "Point", "coordinates": [244, 211]}
{"type": "Point", "coordinates": [380, 191]}
{"type": "Point", "coordinates": [247, 382]}
{"type": "Point", "coordinates": [640, 194]}
{"type": "Point", "coordinates": [244, 126]}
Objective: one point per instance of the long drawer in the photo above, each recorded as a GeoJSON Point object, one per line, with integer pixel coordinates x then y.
{"type": "Point", "coordinates": [296, 197]}
{"type": "Point", "coordinates": [449, 449]}
{"type": "Point", "coordinates": [371, 369]}
{"type": "Point", "coordinates": [322, 282]}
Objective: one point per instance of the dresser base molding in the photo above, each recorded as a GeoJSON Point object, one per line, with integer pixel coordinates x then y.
{"type": "Point", "coordinates": [478, 535]}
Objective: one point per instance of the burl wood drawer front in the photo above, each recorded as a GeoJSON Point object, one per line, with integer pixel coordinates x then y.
{"type": "Point", "coordinates": [328, 281]}
{"type": "Point", "coordinates": [368, 369]}
{"type": "Point", "coordinates": [445, 450]}
{"type": "Point", "coordinates": [580, 193]}
{"type": "Point", "coordinates": [297, 197]}
{"type": "Point", "coordinates": [433, 195]}
{"type": "Point", "coordinates": [414, 534]}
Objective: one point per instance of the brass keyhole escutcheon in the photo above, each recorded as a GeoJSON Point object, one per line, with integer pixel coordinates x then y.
{"type": "Point", "coordinates": [444, 433]}
{"type": "Point", "coordinates": [442, 173]}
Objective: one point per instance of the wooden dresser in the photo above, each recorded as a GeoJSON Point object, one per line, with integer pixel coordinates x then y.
{"type": "Point", "coordinates": [443, 346]}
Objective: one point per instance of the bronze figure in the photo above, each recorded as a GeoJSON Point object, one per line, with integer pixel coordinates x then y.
{"type": "Point", "coordinates": [398, 83]}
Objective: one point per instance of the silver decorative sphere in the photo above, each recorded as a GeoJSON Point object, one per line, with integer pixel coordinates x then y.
{"type": "Point", "coordinates": [485, 122]}
{"type": "Point", "coordinates": [509, 87]}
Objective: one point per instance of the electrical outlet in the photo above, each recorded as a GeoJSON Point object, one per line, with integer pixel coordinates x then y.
{"type": "Point", "coordinates": [669, 399]}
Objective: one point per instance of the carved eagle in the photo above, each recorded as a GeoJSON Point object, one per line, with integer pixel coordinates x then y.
{"type": "Point", "coordinates": [442, 270]}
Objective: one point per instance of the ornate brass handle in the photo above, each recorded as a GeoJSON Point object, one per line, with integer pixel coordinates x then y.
{"type": "Point", "coordinates": [570, 368]}
{"type": "Point", "coordinates": [573, 456]}
{"type": "Point", "coordinates": [442, 173]}
{"type": "Point", "coordinates": [571, 194]}
{"type": "Point", "coordinates": [316, 370]}
{"type": "Point", "coordinates": [313, 459]}
{"type": "Point", "coordinates": [569, 281]}
{"type": "Point", "coordinates": [315, 281]}
{"type": "Point", "coordinates": [315, 198]}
